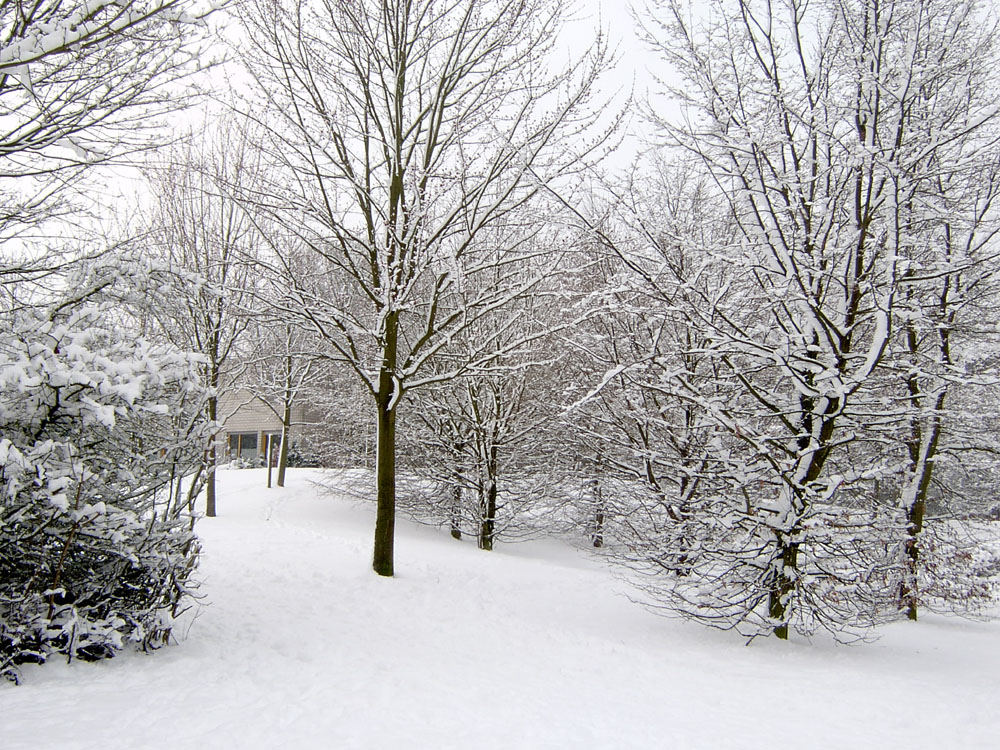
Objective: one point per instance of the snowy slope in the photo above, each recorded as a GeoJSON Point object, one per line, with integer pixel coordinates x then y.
{"type": "Point", "coordinates": [299, 645]}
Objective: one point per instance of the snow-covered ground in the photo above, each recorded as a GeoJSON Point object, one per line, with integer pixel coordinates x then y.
{"type": "Point", "coordinates": [299, 645]}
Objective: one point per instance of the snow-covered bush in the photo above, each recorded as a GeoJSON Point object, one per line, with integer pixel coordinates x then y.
{"type": "Point", "coordinates": [101, 442]}
{"type": "Point", "coordinates": [959, 570]}
{"type": "Point", "coordinates": [716, 561]}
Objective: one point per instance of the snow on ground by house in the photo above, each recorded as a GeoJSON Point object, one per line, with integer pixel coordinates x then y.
{"type": "Point", "coordinates": [300, 645]}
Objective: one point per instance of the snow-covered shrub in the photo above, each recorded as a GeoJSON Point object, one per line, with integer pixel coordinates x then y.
{"type": "Point", "coordinates": [717, 560]}
{"type": "Point", "coordinates": [959, 571]}
{"type": "Point", "coordinates": [241, 463]}
{"type": "Point", "coordinates": [101, 440]}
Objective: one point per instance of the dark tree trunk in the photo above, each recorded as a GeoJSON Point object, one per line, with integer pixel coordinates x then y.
{"type": "Point", "coordinates": [385, 486]}
{"type": "Point", "coordinates": [488, 503]}
{"type": "Point", "coordinates": [210, 461]}
{"type": "Point", "coordinates": [782, 587]}
{"type": "Point", "coordinates": [922, 445]}
{"type": "Point", "coordinates": [597, 535]}
{"type": "Point", "coordinates": [456, 510]}
{"type": "Point", "coordinates": [914, 525]}
{"type": "Point", "coordinates": [487, 525]}
{"type": "Point", "coordinates": [191, 494]}
{"type": "Point", "coordinates": [178, 493]}
{"type": "Point", "coordinates": [385, 458]}
{"type": "Point", "coordinates": [267, 457]}
{"type": "Point", "coordinates": [922, 469]}
{"type": "Point", "coordinates": [789, 540]}
{"type": "Point", "coordinates": [456, 490]}
{"type": "Point", "coordinates": [286, 422]}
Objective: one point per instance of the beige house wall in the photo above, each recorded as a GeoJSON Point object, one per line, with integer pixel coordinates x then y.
{"type": "Point", "coordinates": [243, 413]}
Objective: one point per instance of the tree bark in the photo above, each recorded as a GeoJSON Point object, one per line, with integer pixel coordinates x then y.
{"type": "Point", "coordinates": [487, 526]}
{"type": "Point", "coordinates": [922, 445]}
{"type": "Point", "coordinates": [456, 491]}
{"type": "Point", "coordinates": [286, 421]}
{"type": "Point", "coordinates": [597, 535]}
{"type": "Point", "coordinates": [385, 458]}
{"type": "Point", "coordinates": [385, 483]}
{"type": "Point", "coordinates": [914, 525]}
{"type": "Point", "coordinates": [456, 509]}
{"type": "Point", "coordinates": [267, 457]}
{"type": "Point", "coordinates": [210, 460]}
{"type": "Point", "coordinates": [783, 585]}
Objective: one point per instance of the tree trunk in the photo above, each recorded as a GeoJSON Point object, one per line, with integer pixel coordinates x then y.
{"type": "Point", "coordinates": [456, 491]}
{"type": "Point", "coordinates": [175, 501]}
{"type": "Point", "coordinates": [488, 504]}
{"type": "Point", "coordinates": [487, 524]}
{"type": "Point", "coordinates": [597, 535]}
{"type": "Point", "coordinates": [385, 484]}
{"type": "Point", "coordinates": [915, 504]}
{"type": "Point", "coordinates": [210, 460]}
{"type": "Point", "coordinates": [908, 590]}
{"type": "Point", "coordinates": [815, 445]}
{"type": "Point", "coordinates": [921, 445]}
{"type": "Point", "coordinates": [286, 421]}
{"type": "Point", "coordinates": [782, 586]}
{"type": "Point", "coordinates": [191, 494]}
{"type": "Point", "coordinates": [456, 509]}
{"type": "Point", "coordinates": [385, 457]}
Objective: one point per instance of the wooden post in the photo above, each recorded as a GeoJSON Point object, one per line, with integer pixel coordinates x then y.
{"type": "Point", "coordinates": [267, 457]}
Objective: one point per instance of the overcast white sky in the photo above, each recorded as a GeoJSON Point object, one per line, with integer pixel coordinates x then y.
{"type": "Point", "coordinates": [635, 68]}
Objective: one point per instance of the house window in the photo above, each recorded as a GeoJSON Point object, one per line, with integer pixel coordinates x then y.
{"type": "Point", "coordinates": [243, 445]}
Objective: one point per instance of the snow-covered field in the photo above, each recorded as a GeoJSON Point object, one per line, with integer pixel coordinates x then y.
{"type": "Point", "coordinates": [299, 645]}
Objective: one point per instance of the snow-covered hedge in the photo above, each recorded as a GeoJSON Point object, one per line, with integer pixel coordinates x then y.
{"type": "Point", "coordinates": [101, 440]}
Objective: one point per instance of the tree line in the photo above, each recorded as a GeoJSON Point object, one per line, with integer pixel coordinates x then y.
{"type": "Point", "coordinates": [758, 370]}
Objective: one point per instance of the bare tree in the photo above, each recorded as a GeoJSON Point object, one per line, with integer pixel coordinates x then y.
{"type": "Point", "coordinates": [79, 84]}
{"type": "Point", "coordinates": [945, 311]}
{"type": "Point", "coordinates": [201, 231]}
{"type": "Point", "coordinates": [405, 129]}
{"type": "Point", "coordinates": [496, 429]}
{"type": "Point", "coordinates": [810, 120]}
{"type": "Point", "coordinates": [281, 369]}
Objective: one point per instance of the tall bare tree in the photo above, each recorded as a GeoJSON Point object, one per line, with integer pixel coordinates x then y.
{"type": "Point", "coordinates": [814, 121]}
{"type": "Point", "coordinates": [405, 129]}
{"type": "Point", "coordinates": [486, 449]}
{"type": "Point", "coordinates": [200, 230]}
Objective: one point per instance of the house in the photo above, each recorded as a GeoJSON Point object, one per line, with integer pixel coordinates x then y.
{"type": "Point", "coordinates": [249, 423]}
